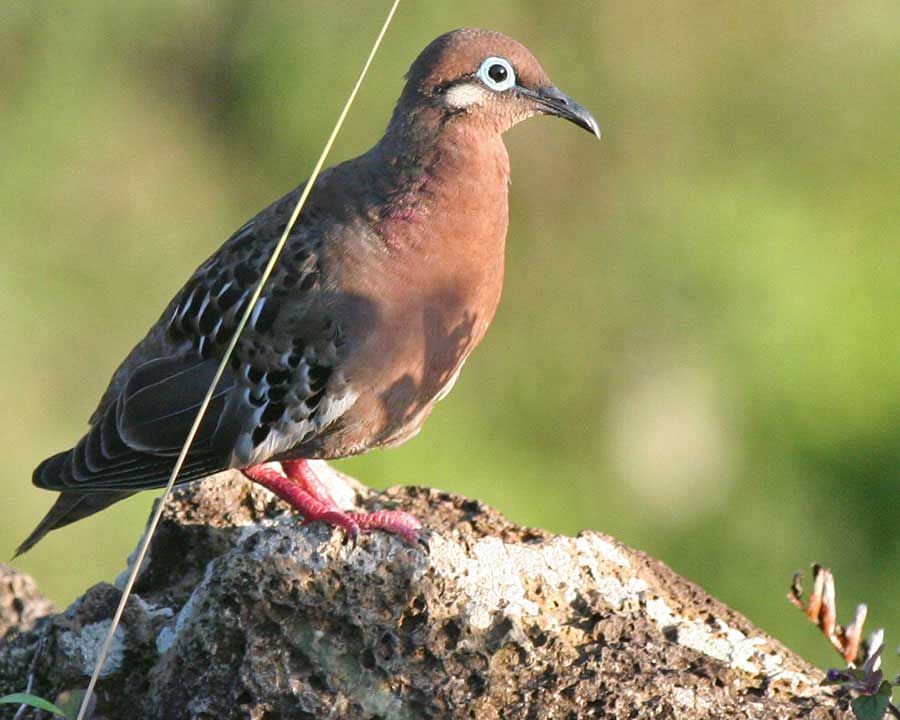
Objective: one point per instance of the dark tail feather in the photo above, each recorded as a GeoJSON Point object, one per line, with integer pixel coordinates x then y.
{"type": "Point", "coordinates": [69, 507]}
{"type": "Point", "coordinates": [101, 470]}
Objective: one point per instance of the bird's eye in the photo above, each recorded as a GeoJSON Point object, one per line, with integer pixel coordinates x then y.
{"type": "Point", "coordinates": [497, 74]}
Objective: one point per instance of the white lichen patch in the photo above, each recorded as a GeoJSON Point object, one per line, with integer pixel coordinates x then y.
{"type": "Point", "coordinates": [592, 549]}
{"type": "Point", "coordinates": [152, 610]}
{"type": "Point", "coordinates": [691, 701]}
{"type": "Point", "coordinates": [167, 636]}
{"type": "Point", "coordinates": [88, 643]}
{"type": "Point", "coordinates": [254, 527]}
{"type": "Point", "coordinates": [730, 646]}
{"type": "Point", "coordinates": [494, 575]}
{"type": "Point", "coordinates": [165, 640]}
{"type": "Point", "coordinates": [590, 544]}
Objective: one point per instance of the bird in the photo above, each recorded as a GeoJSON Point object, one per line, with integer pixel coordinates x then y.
{"type": "Point", "coordinates": [387, 282]}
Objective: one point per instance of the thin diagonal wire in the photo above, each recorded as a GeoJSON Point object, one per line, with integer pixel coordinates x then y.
{"type": "Point", "coordinates": [151, 528]}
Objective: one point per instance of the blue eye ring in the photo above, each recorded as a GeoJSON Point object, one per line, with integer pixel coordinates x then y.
{"type": "Point", "coordinates": [497, 74]}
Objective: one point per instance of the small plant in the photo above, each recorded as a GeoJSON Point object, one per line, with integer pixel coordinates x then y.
{"type": "Point", "coordinates": [872, 693]}
{"type": "Point", "coordinates": [29, 700]}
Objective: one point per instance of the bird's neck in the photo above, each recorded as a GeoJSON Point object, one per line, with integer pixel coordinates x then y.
{"type": "Point", "coordinates": [438, 168]}
{"type": "Point", "coordinates": [426, 136]}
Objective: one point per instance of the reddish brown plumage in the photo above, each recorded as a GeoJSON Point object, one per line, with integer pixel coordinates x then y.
{"type": "Point", "coordinates": [434, 281]}
{"type": "Point", "coordinates": [387, 283]}
{"type": "Point", "coordinates": [458, 54]}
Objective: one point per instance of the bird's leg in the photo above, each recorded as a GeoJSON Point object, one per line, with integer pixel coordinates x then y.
{"type": "Point", "coordinates": [300, 472]}
{"type": "Point", "coordinates": [309, 505]}
{"type": "Point", "coordinates": [301, 488]}
{"type": "Point", "coordinates": [395, 522]}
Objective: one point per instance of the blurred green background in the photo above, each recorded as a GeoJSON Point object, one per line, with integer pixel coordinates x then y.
{"type": "Point", "coordinates": [697, 350]}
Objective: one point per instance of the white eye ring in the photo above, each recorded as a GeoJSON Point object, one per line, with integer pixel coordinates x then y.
{"type": "Point", "coordinates": [497, 74]}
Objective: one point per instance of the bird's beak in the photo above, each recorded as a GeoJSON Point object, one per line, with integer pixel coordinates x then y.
{"type": "Point", "coordinates": [553, 101]}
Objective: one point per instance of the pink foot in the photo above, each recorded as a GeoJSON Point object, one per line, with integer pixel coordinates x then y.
{"type": "Point", "coordinates": [312, 508]}
{"type": "Point", "coordinates": [302, 489]}
{"type": "Point", "coordinates": [395, 522]}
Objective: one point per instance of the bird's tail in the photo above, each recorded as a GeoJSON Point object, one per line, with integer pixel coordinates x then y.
{"type": "Point", "coordinates": [69, 506]}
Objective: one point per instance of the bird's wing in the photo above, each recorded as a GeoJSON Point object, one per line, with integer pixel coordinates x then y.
{"type": "Point", "coordinates": [268, 399]}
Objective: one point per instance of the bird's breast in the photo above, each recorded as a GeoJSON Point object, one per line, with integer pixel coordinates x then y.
{"type": "Point", "coordinates": [432, 275]}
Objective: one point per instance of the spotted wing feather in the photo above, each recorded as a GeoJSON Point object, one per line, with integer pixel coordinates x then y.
{"type": "Point", "coordinates": [267, 398]}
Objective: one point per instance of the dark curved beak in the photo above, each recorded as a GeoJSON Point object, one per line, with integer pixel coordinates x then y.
{"type": "Point", "coordinates": [553, 101]}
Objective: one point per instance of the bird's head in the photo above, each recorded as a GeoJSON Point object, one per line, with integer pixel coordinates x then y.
{"type": "Point", "coordinates": [488, 79]}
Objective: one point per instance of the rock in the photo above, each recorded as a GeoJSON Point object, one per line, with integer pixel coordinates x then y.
{"type": "Point", "coordinates": [242, 612]}
{"type": "Point", "coordinates": [21, 603]}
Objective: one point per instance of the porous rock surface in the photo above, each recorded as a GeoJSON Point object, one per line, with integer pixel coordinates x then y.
{"type": "Point", "coordinates": [21, 603]}
{"type": "Point", "coordinates": [242, 612]}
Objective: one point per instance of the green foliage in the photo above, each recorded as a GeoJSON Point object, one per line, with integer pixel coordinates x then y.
{"type": "Point", "coordinates": [32, 701]}
{"type": "Point", "coordinates": [872, 707]}
{"type": "Point", "coordinates": [697, 347]}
